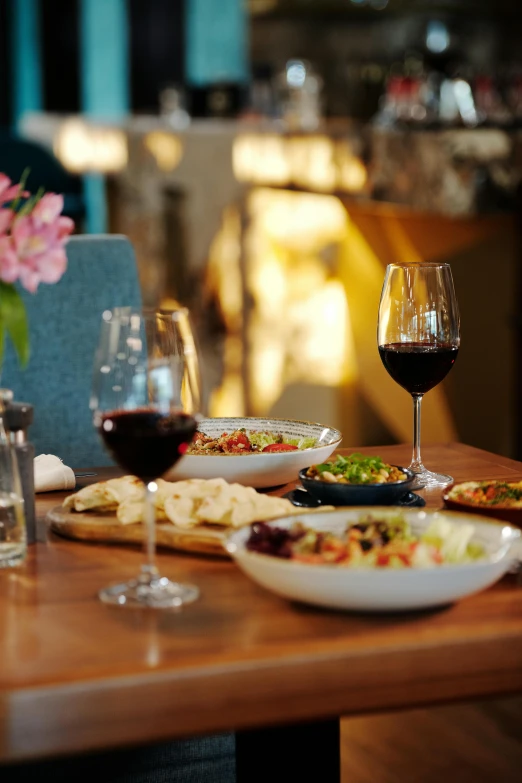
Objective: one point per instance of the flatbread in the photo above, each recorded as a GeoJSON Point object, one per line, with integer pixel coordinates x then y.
{"type": "Point", "coordinates": [186, 504]}
{"type": "Point", "coordinates": [131, 510]}
{"type": "Point", "coordinates": [105, 495]}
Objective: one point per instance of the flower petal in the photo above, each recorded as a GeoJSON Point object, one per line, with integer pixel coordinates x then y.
{"type": "Point", "coordinates": [65, 227]}
{"type": "Point", "coordinates": [29, 278]}
{"type": "Point", "coordinates": [48, 208]}
{"type": "Point", "coordinates": [4, 183]}
{"type": "Point", "coordinates": [6, 218]}
{"type": "Point", "coordinates": [52, 265]}
{"type": "Point", "coordinates": [9, 263]}
{"type": "Point", "coordinates": [21, 231]}
{"type": "Point", "coordinates": [11, 193]}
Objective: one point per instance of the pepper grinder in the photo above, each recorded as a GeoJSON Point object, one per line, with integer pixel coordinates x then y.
{"type": "Point", "coordinates": [18, 418]}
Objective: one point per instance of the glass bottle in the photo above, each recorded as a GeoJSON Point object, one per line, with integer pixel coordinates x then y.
{"type": "Point", "coordinates": [13, 538]}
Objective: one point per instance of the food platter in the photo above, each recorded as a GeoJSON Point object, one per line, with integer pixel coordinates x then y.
{"type": "Point", "coordinates": [380, 589]}
{"type": "Point", "coordinates": [194, 515]}
{"type": "Point", "coordinates": [260, 469]}
{"type": "Point", "coordinates": [358, 494]}
{"type": "Point", "coordinates": [458, 497]}
{"type": "Point", "coordinates": [105, 528]}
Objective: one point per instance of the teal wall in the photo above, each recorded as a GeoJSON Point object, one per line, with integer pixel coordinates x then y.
{"type": "Point", "coordinates": [105, 85]}
{"type": "Point", "coordinates": [26, 62]}
{"type": "Point", "coordinates": [104, 42]}
{"type": "Point", "coordinates": [216, 41]}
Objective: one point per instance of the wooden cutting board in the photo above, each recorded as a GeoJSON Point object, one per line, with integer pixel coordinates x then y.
{"type": "Point", "coordinates": [104, 528]}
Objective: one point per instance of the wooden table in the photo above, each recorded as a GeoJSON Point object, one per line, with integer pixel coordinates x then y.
{"type": "Point", "coordinates": [77, 675]}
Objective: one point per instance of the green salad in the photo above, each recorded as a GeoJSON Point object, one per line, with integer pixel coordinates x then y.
{"type": "Point", "coordinates": [372, 542]}
{"type": "Point", "coordinates": [243, 442]}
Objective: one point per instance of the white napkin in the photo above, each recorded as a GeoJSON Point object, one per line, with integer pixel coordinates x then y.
{"type": "Point", "coordinates": [51, 474]}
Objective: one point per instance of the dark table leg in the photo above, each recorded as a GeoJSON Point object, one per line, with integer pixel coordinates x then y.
{"type": "Point", "coordinates": [304, 752]}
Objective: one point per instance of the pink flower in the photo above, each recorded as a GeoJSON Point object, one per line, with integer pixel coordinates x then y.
{"type": "Point", "coordinates": [9, 266]}
{"type": "Point", "coordinates": [6, 218]}
{"type": "Point", "coordinates": [48, 208]}
{"type": "Point", "coordinates": [34, 252]}
{"type": "Point", "coordinates": [48, 212]}
{"type": "Point", "coordinates": [9, 192]}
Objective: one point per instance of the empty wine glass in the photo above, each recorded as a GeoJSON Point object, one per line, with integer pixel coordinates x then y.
{"type": "Point", "coordinates": [418, 336]}
{"type": "Point", "coordinates": [146, 401]}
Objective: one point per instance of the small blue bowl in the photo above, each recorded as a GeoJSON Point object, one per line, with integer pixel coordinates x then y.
{"type": "Point", "coordinates": [358, 494]}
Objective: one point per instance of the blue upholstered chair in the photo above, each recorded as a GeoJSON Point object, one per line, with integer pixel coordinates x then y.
{"type": "Point", "coordinates": [64, 323]}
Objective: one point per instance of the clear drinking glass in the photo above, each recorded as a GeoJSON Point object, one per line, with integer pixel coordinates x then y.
{"type": "Point", "coordinates": [146, 403]}
{"type": "Point", "coordinates": [418, 335]}
{"type": "Point", "coordinates": [13, 537]}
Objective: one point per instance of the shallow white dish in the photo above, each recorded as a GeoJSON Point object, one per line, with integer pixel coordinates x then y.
{"type": "Point", "coordinates": [258, 469]}
{"type": "Point", "coordinates": [379, 589]}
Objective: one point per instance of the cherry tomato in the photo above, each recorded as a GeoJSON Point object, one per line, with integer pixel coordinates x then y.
{"type": "Point", "coordinates": [238, 441]}
{"type": "Point", "coordinates": [280, 447]}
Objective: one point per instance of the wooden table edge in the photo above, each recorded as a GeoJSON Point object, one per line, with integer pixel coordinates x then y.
{"type": "Point", "coordinates": [53, 720]}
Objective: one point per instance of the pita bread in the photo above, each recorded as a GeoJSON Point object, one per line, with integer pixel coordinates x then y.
{"type": "Point", "coordinates": [228, 505]}
{"type": "Point", "coordinates": [184, 503]}
{"type": "Point", "coordinates": [131, 510]}
{"type": "Point", "coordinates": [105, 495]}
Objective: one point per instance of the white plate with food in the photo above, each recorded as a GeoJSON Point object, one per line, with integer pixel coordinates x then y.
{"type": "Point", "coordinates": [254, 451]}
{"type": "Point", "coordinates": [376, 558]}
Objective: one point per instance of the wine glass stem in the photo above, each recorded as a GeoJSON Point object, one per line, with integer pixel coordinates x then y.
{"type": "Point", "coordinates": [416, 461]}
{"type": "Point", "coordinates": [149, 570]}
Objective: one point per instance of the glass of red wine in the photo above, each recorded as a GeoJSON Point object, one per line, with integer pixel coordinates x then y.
{"type": "Point", "coordinates": [418, 335]}
{"type": "Point", "coordinates": [146, 402]}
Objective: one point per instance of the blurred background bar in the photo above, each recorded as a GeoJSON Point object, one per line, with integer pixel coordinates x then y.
{"type": "Point", "coordinates": [268, 158]}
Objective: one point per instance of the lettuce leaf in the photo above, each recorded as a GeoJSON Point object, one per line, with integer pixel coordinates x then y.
{"type": "Point", "coordinates": [453, 541]}
{"type": "Point", "coordinates": [262, 439]}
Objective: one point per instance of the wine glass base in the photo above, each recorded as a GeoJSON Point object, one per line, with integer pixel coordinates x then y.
{"type": "Point", "coordinates": [159, 593]}
{"type": "Point", "coordinates": [426, 479]}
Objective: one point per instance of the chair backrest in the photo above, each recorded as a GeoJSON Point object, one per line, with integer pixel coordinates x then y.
{"type": "Point", "coordinates": [65, 321]}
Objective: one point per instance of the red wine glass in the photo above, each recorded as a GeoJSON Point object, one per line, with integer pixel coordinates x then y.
{"type": "Point", "coordinates": [418, 335]}
{"type": "Point", "coordinates": [146, 400]}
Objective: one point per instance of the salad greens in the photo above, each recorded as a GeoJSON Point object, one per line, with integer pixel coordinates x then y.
{"type": "Point", "coordinates": [374, 541]}
{"type": "Point", "coordinates": [453, 541]}
{"type": "Point", "coordinates": [262, 439]}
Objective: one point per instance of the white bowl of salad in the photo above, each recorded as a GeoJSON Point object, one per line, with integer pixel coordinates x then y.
{"type": "Point", "coordinates": [254, 451]}
{"type": "Point", "coordinates": [376, 558]}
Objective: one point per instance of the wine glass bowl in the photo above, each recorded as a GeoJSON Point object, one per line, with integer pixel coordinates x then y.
{"type": "Point", "coordinates": [146, 400]}
{"type": "Point", "coordinates": [418, 337]}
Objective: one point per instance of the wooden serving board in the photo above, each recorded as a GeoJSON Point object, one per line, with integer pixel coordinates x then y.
{"type": "Point", "coordinates": [104, 528]}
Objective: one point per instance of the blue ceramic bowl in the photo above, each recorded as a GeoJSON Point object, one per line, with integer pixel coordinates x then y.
{"type": "Point", "coordinates": [358, 494]}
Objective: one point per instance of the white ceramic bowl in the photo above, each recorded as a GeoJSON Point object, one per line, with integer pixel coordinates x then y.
{"type": "Point", "coordinates": [258, 469]}
{"type": "Point", "coordinates": [379, 589]}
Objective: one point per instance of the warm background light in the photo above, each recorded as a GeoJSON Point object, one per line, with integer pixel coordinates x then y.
{"type": "Point", "coordinates": [84, 148]}
{"type": "Point", "coordinates": [313, 162]}
{"type": "Point", "coordinates": [166, 148]}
